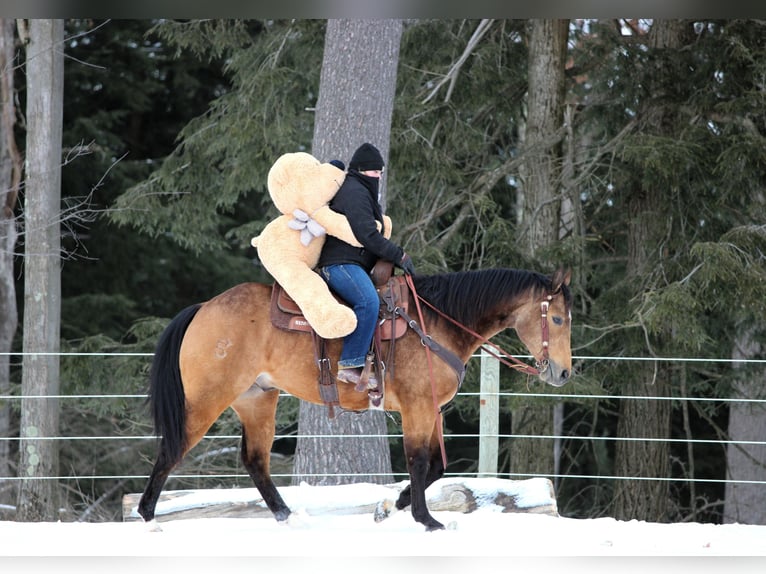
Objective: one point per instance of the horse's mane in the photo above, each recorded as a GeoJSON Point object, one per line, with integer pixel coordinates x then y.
{"type": "Point", "coordinates": [467, 296]}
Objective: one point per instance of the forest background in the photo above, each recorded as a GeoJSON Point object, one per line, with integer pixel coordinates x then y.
{"type": "Point", "coordinates": [639, 144]}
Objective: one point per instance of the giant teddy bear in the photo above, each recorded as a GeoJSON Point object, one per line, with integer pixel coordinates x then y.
{"type": "Point", "coordinates": [289, 246]}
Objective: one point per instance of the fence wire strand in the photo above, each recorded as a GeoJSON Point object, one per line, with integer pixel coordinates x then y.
{"type": "Point", "coordinates": [398, 436]}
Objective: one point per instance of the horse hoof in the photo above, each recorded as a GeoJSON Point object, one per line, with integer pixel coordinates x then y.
{"type": "Point", "coordinates": [282, 515]}
{"type": "Point", "coordinates": [434, 526]}
{"type": "Point", "coordinates": [383, 510]}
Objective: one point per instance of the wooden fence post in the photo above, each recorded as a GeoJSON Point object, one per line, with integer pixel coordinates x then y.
{"type": "Point", "coordinates": [489, 401]}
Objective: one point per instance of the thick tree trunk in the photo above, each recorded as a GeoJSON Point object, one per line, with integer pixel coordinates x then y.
{"type": "Point", "coordinates": [541, 210]}
{"type": "Point", "coordinates": [647, 499]}
{"type": "Point", "coordinates": [643, 418]}
{"type": "Point", "coordinates": [10, 169]}
{"type": "Point", "coordinates": [355, 105]}
{"type": "Point", "coordinates": [543, 136]}
{"type": "Point", "coordinates": [38, 499]}
{"type": "Point", "coordinates": [746, 463]}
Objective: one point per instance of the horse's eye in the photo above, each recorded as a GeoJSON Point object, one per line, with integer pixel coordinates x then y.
{"type": "Point", "coordinates": [558, 320]}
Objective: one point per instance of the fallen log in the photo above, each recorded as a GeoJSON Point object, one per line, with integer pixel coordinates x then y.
{"type": "Point", "coordinates": [534, 495]}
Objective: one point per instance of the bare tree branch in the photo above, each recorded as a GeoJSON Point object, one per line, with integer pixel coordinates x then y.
{"type": "Point", "coordinates": [451, 76]}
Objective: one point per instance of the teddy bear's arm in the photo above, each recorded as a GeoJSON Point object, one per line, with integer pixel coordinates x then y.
{"type": "Point", "coordinates": [389, 227]}
{"type": "Point", "coordinates": [336, 225]}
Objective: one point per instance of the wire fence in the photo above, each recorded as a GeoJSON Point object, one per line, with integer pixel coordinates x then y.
{"type": "Point", "coordinates": [450, 437]}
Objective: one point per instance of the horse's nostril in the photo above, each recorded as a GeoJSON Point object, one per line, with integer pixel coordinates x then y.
{"type": "Point", "coordinates": [564, 375]}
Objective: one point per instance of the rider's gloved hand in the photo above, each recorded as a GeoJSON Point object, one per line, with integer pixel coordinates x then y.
{"type": "Point", "coordinates": [406, 265]}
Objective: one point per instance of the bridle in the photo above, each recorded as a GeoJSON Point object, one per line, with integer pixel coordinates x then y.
{"type": "Point", "coordinates": [541, 364]}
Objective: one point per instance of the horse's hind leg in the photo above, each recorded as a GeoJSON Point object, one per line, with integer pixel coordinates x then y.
{"type": "Point", "coordinates": [160, 472]}
{"type": "Point", "coordinates": [196, 424]}
{"type": "Point", "coordinates": [256, 410]}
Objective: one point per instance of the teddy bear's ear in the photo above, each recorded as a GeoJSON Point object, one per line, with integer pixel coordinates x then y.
{"type": "Point", "coordinates": [280, 172]}
{"type": "Point", "coordinates": [299, 180]}
{"type": "Point", "coordinates": [289, 172]}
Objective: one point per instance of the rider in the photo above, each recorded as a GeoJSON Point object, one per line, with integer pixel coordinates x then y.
{"type": "Point", "coordinates": [347, 268]}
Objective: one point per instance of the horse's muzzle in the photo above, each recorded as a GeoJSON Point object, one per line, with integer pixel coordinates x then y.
{"type": "Point", "coordinates": [554, 375]}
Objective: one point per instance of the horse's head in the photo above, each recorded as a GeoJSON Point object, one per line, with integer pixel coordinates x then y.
{"type": "Point", "coordinates": [544, 325]}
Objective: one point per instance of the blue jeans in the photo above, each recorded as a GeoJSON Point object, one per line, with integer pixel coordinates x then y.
{"type": "Point", "coordinates": [354, 285]}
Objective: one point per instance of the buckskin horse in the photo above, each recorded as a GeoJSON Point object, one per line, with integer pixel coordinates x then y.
{"type": "Point", "coordinates": [227, 352]}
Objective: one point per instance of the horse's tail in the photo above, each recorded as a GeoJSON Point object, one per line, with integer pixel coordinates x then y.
{"type": "Point", "coordinates": [167, 400]}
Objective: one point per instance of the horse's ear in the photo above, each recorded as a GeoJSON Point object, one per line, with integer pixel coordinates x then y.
{"type": "Point", "coordinates": [560, 277]}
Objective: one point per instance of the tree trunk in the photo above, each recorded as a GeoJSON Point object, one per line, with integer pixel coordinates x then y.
{"type": "Point", "coordinates": [543, 136]}
{"type": "Point", "coordinates": [648, 204]}
{"type": "Point", "coordinates": [355, 105]}
{"type": "Point", "coordinates": [10, 173]}
{"type": "Point", "coordinates": [541, 209]}
{"type": "Point", "coordinates": [747, 422]}
{"type": "Point", "coordinates": [643, 418]}
{"type": "Point", "coordinates": [38, 498]}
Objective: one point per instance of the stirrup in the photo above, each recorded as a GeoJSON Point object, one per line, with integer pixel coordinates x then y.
{"type": "Point", "coordinates": [367, 379]}
{"type": "Point", "coordinates": [349, 374]}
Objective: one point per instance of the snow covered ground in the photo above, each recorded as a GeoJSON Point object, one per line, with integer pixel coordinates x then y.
{"type": "Point", "coordinates": [317, 535]}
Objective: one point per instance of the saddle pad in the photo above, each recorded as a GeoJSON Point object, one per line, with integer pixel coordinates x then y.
{"type": "Point", "coordinates": [286, 315]}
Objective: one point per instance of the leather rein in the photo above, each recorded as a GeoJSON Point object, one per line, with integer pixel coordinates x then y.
{"type": "Point", "coordinates": [541, 365]}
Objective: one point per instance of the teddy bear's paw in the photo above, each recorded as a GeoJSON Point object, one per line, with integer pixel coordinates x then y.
{"type": "Point", "coordinates": [333, 324]}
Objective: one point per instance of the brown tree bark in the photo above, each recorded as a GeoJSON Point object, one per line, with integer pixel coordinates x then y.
{"type": "Point", "coordinates": [641, 418]}
{"type": "Point", "coordinates": [540, 213]}
{"type": "Point", "coordinates": [38, 497]}
{"type": "Point", "coordinates": [355, 105]}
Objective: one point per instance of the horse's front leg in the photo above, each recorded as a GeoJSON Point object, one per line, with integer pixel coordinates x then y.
{"type": "Point", "coordinates": [434, 473]}
{"type": "Point", "coordinates": [256, 410]}
{"type": "Point", "coordinates": [424, 463]}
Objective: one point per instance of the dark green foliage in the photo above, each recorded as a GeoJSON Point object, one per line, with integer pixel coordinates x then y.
{"type": "Point", "coordinates": [449, 192]}
{"type": "Point", "coordinates": [201, 192]}
{"type": "Point", "coordinates": [706, 259]}
{"type": "Point", "coordinates": [141, 96]}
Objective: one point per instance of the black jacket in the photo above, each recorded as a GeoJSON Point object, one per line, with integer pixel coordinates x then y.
{"type": "Point", "coordinates": [357, 199]}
